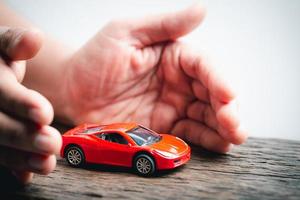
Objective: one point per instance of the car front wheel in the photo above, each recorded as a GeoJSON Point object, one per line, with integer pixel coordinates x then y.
{"type": "Point", "coordinates": [144, 165]}
{"type": "Point", "coordinates": [75, 156]}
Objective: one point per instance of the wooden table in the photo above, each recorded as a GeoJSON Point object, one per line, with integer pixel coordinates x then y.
{"type": "Point", "coordinates": [260, 169]}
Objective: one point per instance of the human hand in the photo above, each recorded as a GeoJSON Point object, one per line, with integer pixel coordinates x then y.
{"type": "Point", "coordinates": [137, 70]}
{"type": "Point", "coordinates": [27, 143]}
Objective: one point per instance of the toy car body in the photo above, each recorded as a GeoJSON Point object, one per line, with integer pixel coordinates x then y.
{"type": "Point", "coordinates": [124, 144]}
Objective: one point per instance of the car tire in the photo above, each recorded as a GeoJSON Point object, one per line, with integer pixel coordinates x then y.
{"type": "Point", "coordinates": [144, 165]}
{"type": "Point", "coordinates": [74, 156]}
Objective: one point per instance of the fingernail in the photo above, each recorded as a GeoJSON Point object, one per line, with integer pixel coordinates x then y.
{"type": "Point", "coordinates": [36, 163]}
{"type": "Point", "coordinates": [41, 142]}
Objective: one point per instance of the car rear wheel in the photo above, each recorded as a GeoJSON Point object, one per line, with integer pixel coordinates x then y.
{"type": "Point", "coordinates": [75, 156]}
{"type": "Point", "coordinates": [144, 165]}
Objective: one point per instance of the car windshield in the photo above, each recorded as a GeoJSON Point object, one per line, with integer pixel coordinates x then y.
{"type": "Point", "coordinates": [92, 130]}
{"type": "Point", "coordinates": [143, 136]}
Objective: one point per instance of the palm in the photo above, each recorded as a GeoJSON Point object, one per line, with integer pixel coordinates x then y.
{"type": "Point", "coordinates": [118, 77]}
{"type": "Point", "coordinates": [133, 88]}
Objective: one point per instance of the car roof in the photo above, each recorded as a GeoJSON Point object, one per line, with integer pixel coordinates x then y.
{"type": "Point", "coordinates": [122, 127]}
{"type": "Point", "coordinates": [119, 126]}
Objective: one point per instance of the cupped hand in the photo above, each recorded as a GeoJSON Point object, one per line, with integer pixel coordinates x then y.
{"type": "Point", "coordinates": [27, 143]}
{"type": "Point", "coordinates": [137, 70]}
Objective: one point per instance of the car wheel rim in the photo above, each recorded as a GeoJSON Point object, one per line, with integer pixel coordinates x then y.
{"type": "Point", "coordinates": [74, 157]}
{"type": "Point", "coordinates": [143, 165]}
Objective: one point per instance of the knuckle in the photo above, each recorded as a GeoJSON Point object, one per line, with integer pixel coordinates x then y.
{"type": "Point", "coordinates": [7, 38]}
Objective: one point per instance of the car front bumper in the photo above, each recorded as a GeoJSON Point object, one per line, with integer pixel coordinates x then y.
{"type": "Point", "coordinates": [170, 163]}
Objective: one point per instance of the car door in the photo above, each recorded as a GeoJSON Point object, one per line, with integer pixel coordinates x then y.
{"type": "Point", "coordinates": [115, 149]}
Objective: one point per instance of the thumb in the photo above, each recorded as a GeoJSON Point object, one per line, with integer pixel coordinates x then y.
{"type": "Point", "coordinates": [166, 27]}
{"type": "Point", "coordinates": [19, 44]}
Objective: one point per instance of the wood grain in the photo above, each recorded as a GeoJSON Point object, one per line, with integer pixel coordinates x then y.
{"type": "Point", "coordinates": [260, 169]}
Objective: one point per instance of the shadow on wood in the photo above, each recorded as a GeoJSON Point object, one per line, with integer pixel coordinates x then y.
{"type": "Point", "coordinates": [124, 170]}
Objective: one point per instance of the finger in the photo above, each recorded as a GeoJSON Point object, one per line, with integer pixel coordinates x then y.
{"type": "Point", "coordinates": [202, 135]}
{"type": "Point", "coordinates": [15, 134]}
{"type": "Point", "coordinates": [23, 177]}
{"type": "Point", "coordinates": [197, 67]}
{"type": "Point", "coordinates": [200, 91]}
{"type": "Point", "coordinates": [14, 69]}
{"type": "Point", "coordinates": [226, 114]}
{"type": "Point", "coordinates": [230, 127]}
{"type": "Point", "coordinates": [154, 29]}
{"type": "Point", "coordinates": [24, 161]}
{"type": "Point", "coordinates": [19, 101]}
{"type": "Point", "coordinates": [19, 44]}
{"type": "Point", "coordinates": [203, 113]}
{"type": "Point", "coordinates": [18, 68]}
{"type": "Point", "coordinates": [236, 136]}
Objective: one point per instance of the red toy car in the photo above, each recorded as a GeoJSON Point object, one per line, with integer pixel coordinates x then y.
{"type": "Point", "coordinates": [124, 144]}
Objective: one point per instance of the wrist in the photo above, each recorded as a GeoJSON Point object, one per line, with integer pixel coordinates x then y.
{"type": "Point", "coordinates": [65, 110]}
{"type": "Point", "coordinates": [46, 73]}
{"type": "Point", "coordinates": [59, 95]}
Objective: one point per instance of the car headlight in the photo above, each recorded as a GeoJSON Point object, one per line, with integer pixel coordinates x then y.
{"type": "Point", "coordinates": [165, 154]}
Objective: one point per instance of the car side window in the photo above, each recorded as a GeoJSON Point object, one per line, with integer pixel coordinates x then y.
{"type": "Point", "coordinates": [113, 137]}
{"type": "Point", "coordinates": [101, 136]}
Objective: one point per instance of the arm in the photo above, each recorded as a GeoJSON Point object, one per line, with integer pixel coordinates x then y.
{"type": "Point", "coordinates": [44, 72]}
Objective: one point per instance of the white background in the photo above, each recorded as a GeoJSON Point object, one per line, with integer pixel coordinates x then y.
{"type": "Point", "coordinates": [254, 44]}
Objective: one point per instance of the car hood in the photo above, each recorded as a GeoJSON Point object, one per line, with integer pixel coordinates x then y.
{"type": "Point", "coordinates": [170, 144]}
